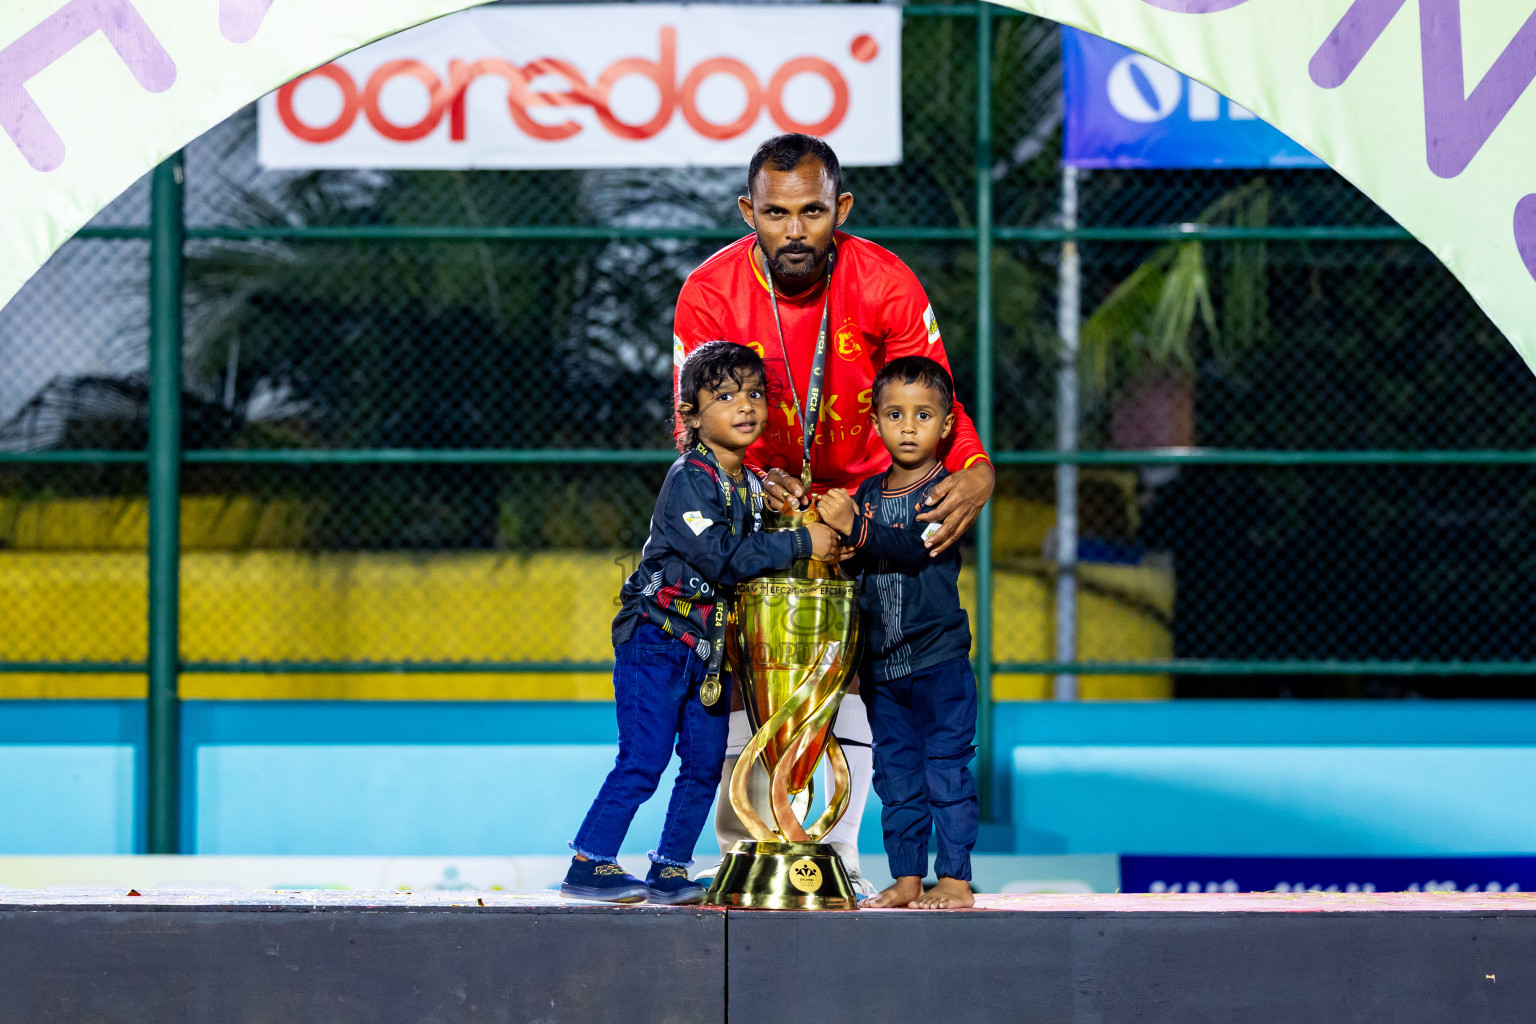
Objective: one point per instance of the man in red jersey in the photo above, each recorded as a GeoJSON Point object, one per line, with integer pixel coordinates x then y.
{"type": "Point", "coordinates": [876, 311]}
{"type": "Point", "coordinates": [873, 310]}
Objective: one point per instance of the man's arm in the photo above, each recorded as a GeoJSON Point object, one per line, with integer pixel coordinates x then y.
{"type": "Point", "coordinates": [912, 330]}
{"type": "Point", "coordinates": [955, 501]}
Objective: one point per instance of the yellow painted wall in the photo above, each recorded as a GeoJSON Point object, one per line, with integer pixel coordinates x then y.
{"type": "Point", "coordinates": [550, 606]}
{"type": "Point", "coordinates": [73, 588]}
{"type": "Point", "coordinates": [222, 522]}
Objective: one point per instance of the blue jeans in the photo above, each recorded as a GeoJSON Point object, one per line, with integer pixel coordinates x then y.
{"type": "Point", "coordinates": [656, 691]}
{"type": "Point", "coordinates": [924, 726]}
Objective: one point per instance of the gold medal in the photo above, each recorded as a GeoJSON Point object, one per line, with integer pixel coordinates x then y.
{"type": "Point", "coordinates": [709, 691]}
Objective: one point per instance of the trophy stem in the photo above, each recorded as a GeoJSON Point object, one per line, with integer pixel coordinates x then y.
{"type": "Point", "coordinates": [798, 749]}
{"type": "Point", "coordinates": [741, 800]}
{"type": "Point", "coordinates": [788, 825]}
{"type": "Point", "coordinates": [842, 785]}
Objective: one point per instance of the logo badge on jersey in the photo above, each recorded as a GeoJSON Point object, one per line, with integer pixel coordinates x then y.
{"type": "Point", "coordinates": [848, 346]}
{"type": "Point", "coordinates": [696, 522]}
{"type": "Point", "coordinates": [932, 323]}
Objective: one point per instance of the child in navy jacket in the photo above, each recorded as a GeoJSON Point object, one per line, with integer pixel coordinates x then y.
{"type": "Point", "coordinates": [916, 674]}
{"type": "Point", "coordinates": [668, 638]}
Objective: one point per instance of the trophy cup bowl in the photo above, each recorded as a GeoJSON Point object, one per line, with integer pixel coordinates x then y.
{"type": "Point", "coordinates": [792, 640]}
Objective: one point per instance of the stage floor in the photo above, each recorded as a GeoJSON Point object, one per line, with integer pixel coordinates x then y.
{"type": "Point", "coordinates": [551, 901]}
{"type": "Point", "coordinates": [448, 956]}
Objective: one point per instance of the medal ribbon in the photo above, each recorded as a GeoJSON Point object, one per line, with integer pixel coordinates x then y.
{"type": "Point", "coordinates": [754, 486]}
{"type": "Point", "coordinates": [812, 409]}
{"type": "Point", "coordinates": [709, 690]}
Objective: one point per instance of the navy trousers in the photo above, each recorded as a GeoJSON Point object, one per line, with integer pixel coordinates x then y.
{"type": "Point", "coordinates": [656, 692]}
{"type": "Point", "coordinates": [924, 727]}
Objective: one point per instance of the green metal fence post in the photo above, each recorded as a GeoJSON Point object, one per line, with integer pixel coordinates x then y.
{"type": "Point", "coordinates": [167, 230]}
{"type": "Point", "coordinates": [982, 616]}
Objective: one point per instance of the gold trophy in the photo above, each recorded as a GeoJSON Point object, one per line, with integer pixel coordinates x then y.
{"type": "Point", "coordinates": [792, 640]}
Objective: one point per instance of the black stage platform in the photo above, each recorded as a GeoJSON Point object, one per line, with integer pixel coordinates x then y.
{"type": "Point", "coordinates": [379, 958]}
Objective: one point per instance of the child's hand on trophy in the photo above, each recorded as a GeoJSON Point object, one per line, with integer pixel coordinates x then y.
{"type": "Point", "coordinates": [823, 542]}
{"type": "Point", "coordinates": [837, 510]}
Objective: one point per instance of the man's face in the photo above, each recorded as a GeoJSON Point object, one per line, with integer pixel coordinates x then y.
{"type": "Point", "coordinates": [795, 213]}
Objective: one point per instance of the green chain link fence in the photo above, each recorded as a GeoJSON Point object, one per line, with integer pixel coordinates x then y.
{"type": "Point", "coordinates": [424, 405]}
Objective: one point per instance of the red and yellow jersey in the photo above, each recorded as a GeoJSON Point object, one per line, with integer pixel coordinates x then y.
{"type": "Point", "coordinates": [879, 312]}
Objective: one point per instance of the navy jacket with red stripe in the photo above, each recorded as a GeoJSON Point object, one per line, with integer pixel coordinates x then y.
{"type": "Point", "coordinates": [910, 601]}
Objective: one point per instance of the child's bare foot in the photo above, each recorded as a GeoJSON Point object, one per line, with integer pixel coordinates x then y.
{"type": "Point", "coordinates": [949, 894]}
{"type": "Point", "coordinates": [899, 894]}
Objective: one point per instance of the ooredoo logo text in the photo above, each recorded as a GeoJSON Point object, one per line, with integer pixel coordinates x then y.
{"type": "Point", "coordinates": [542, 95]}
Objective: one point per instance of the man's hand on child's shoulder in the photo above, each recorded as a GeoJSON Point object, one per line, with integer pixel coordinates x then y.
{"type": "Point", "coordinates": [955, 502]}
{"type": "Point", "coordinates": [837, 510]}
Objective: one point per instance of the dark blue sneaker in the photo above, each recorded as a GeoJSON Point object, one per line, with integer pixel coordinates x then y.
{"type": "Point", "coordinates": [671, 885]}
{"type": "Point", "coordinates": [602, 880]}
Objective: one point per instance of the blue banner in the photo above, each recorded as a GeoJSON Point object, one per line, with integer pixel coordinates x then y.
{"type": "Point", "coordinates": [1327, 874]}
{"type": "Point", "coordinates": [1124, 109]}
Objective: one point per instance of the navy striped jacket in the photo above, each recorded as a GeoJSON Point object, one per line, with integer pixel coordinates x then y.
{"type": "Point", "coordinates": [705, 538]}
{"type": "Point", "coordinates": [909, 600]}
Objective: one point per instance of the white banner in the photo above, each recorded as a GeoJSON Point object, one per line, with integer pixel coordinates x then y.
{"type": "Point", "coordinates": [601, 85]}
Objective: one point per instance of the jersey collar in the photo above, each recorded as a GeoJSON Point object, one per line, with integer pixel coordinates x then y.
{"type": "Point", "coordinates": [884, 492]}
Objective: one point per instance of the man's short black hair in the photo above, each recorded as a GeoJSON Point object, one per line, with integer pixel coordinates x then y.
{"type": "Point", "coordinates": [785, 153]}
{"type": "Point", "coordinates": [915, 370]}
{"type": "Point", "coordinates": [707, 368]}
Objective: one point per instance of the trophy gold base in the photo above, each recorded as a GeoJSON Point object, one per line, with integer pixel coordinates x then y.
{"type": "Point", "coordinates": [782, 876]}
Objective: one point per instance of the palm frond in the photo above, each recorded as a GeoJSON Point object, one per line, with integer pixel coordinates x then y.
{"type": "Point", "coordinates": [1150, 316]}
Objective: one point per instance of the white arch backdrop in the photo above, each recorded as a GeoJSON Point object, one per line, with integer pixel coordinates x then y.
{"type": "Point", "coordinates": [94, 93]}
{"type": "Point", "coordinates": [1420, 103]}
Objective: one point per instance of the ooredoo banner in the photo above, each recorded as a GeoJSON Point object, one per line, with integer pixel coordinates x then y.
{"type": "Point", "coordinates": [599, 85]}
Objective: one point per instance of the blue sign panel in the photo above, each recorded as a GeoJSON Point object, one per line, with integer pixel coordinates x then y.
{"type": "Point", "coordinates": [1327, 874]}
{"type": "Point", "coordinates": [1124, 109]}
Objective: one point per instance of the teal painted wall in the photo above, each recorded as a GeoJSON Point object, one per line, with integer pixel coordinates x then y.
{"type": "Point", "coordinates": [1209, 777]}
{"type": "Point", "coordinates": [66, 798]}
{"type": "Point", "coordinates": [1275, 800]}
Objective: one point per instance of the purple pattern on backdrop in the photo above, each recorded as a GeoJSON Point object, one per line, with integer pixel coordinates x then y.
{"type": "Point", "coordinates": [1348, 43]}
{"type": "Point", "coordinates": [1195, 6]}
{"type": "Point", "coordinates": [59, 33]}
{"type": "Point", "coordinates": [1457, 126]}
{"type": "Point", "coordinates": [1525, 232]}
{"type": "Point", "coordinates": [239, 19]}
